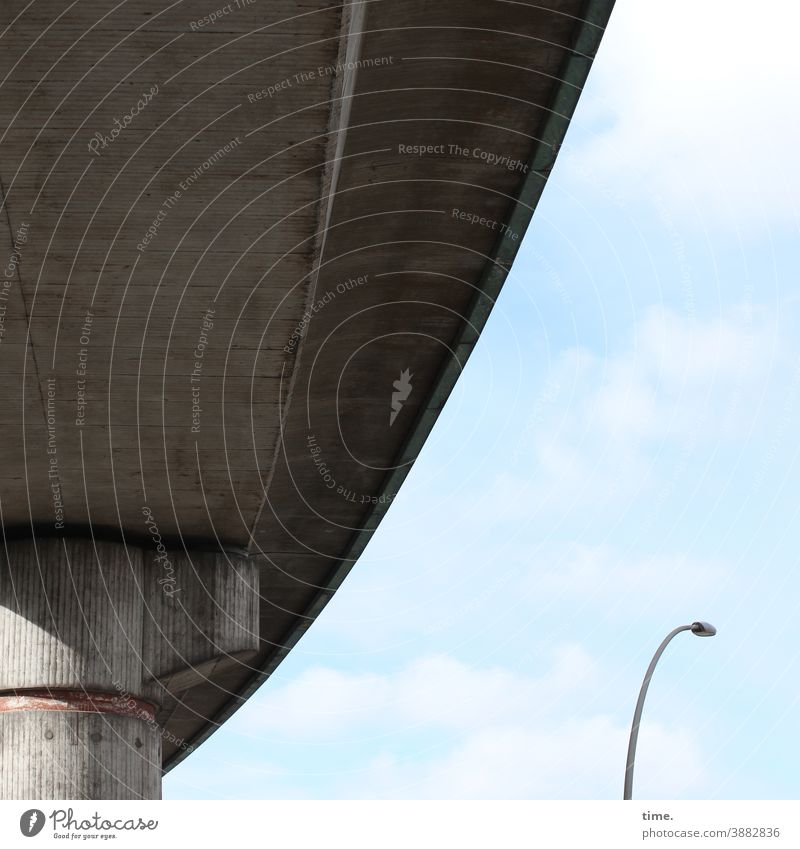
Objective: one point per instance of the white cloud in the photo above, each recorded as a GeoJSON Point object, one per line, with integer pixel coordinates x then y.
{"type": "Point", "coordinates": [498, 733]}
{"type": "Point", "coordinates": [678, 383]}
{"type": "Point", "coordinates": [680, 349]}
{"type": "Point", "coordinates": [702, 99]}
{"type": "Point", "coordinates": [574, 759]}
{"type": "Point", "coordinates": [436, 691]}
{"type": "Point", "coordinates": [620, 581]}
{"type": "Point", "coordinates": [577, 759]}
{"type": "Point", "coordinates": [231, 778]}
{"type": "Point", "coordinates": [678, 368]}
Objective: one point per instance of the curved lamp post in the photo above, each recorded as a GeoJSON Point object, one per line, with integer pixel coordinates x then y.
{"type": "Point", "coordinates": [701, 629]}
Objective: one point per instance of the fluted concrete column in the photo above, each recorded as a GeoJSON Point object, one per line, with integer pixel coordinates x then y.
{"type": "Point", "coordinates": [47, 754]}
{"type": "Point", "coordinates": [93, 636]}
{"type": "Point", "coordinates": [73, 724]}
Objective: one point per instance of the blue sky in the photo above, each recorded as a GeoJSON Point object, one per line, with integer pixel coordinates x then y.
{"type": "Point", "coordinates": [619, 457]}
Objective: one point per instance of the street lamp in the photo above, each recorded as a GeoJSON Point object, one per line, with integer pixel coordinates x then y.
{"type": "Point", "coordinates": [700, 629]}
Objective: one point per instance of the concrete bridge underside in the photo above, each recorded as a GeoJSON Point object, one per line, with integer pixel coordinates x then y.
{"type": "Point", "coordinates": [246, 253]}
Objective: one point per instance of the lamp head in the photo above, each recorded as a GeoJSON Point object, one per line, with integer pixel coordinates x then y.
{"type": "Point", "coordinates": [703, 629]}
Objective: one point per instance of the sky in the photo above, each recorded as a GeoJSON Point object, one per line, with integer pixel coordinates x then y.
{"type": "Point", "coordinates": [619, 457]}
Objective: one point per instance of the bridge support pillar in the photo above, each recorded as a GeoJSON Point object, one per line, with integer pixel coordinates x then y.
{"type": "Point", "coordinates": [72, 723]}
{"type": "Point", "coordinates": [94, 639]}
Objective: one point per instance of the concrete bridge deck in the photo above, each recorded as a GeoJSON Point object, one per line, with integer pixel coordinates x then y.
{"type": "Point", "coordinates": [247, 251]}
